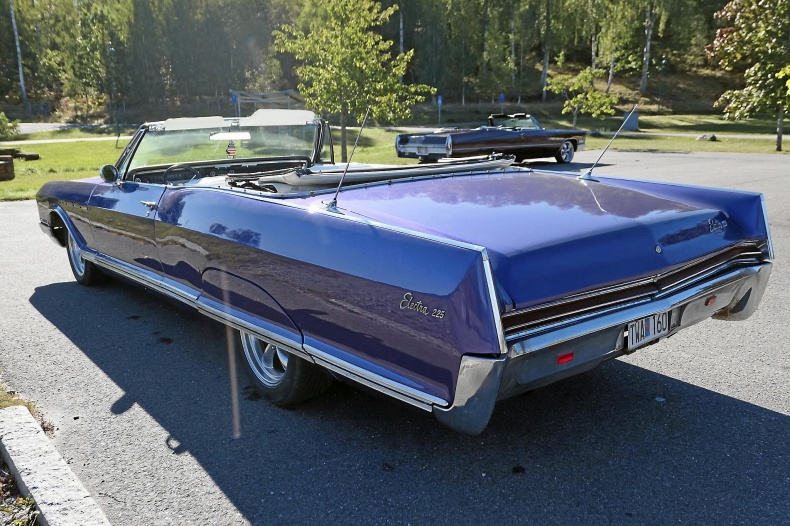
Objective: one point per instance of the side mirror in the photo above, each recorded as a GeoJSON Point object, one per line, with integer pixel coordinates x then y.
{"type": "Point", "coordinates": [109, 173]}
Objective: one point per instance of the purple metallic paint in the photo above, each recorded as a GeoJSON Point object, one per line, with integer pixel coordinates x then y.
{"type": "Point", "coordinates": [122, 225]}
{"type": "Point", "coordinates": [337, 284]}
{"type": "Point", "coordinates": [340, 281]}
{"type": "Point", "coordinates": [71, 196]}
{"type": "Point", "coordinates": [551, 235]}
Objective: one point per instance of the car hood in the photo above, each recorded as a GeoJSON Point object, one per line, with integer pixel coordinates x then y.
{"type": "Point", "coordinates": [550, 235]}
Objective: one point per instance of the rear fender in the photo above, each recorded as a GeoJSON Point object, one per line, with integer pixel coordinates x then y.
{"type": "Point", "coordinates": [245, 306]}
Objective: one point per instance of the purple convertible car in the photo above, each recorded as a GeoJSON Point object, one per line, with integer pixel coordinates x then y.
{"type": "Point", "coordinates": [446, 286]}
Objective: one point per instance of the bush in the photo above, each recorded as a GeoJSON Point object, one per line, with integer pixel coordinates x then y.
{"type": "Point", "coordinates": [7, 128]}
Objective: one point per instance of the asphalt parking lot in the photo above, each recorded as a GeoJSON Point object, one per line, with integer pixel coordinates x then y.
{"type": "Point", "coordinates": [693, 429]}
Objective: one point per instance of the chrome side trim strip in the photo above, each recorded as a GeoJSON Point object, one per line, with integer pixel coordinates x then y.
{"type": "Point", "coordinates": [495, 310]}
{"type": "Point", "coordinates": [144, 277]}
{"type": "Point", "coordinates": [225, 316]}
{"type": "Point", "coordinates": [191, 298]}
{"type": "Point", "coordinates": [375, 381]}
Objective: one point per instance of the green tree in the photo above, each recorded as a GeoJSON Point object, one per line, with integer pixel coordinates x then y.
{"type": "Point", "coordinates": [580, 94]}
{"type": "Point", "coordinates": [347, 66]}
{"type": "Point", "coordinates": [7, 128]}
{"type": "Point", "coordinates": [755, 40]}
{"type": "Point", "coordinates": [785, 73]}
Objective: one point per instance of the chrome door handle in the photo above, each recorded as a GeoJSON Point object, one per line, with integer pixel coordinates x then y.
{"type": "Point", "coordinates": [151, 207]}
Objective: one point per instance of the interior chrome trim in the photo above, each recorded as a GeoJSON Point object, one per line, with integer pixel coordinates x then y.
{"type": "Point", "coordinates": [374, 381]}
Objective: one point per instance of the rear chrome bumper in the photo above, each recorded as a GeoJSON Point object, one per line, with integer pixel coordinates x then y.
{"type": "Point", "coordinates": [532, 359]}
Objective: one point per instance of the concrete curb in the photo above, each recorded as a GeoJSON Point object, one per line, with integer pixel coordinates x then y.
{"type": "Point", "coordinates": [42, 473]}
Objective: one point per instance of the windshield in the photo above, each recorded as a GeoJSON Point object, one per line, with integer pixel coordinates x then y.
{"type": "Point", "coordinates": [162, 146]}
{"type": "Point", "coordinates": [525, 122]}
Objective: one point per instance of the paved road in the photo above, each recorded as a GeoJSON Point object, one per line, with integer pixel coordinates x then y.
{"type": "Point", "coordinates": [694, 429]}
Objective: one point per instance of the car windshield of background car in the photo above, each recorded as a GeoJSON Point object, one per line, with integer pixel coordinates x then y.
{"type": "Point", "coordinates": [162, 147]}
{"type": "Point", "coordinates": [521, 122]}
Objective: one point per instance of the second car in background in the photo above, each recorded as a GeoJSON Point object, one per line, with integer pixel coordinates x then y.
{"type": "Point", "coordinates": [518, 134]}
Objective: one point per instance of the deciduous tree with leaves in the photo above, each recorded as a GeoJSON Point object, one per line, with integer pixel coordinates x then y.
{"type": "Point", "coordinates": [580, 94]}
{"type": "Point", "coordinates": [755, 39]}
{"type": "Point", "coordinates": [347, 65]}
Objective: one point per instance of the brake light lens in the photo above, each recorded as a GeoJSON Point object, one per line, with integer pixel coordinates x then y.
{"type": "Point", "coordinates": [564, 358]}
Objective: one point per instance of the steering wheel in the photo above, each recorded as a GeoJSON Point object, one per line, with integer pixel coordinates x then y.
{"type": "Point", "coordinates": [180, 166]}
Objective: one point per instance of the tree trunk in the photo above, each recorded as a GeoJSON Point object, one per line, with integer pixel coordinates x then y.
{"type": "Point", "coordinates": [650, 22]}
{"type": "Point", "coordinates": [343, 122]}
{"type": "Point", "coordinates": [400, 14]}
{"type": "Point", "coordinates": [544, 77]}
{"type": "Point", "coordinates": [19, 60]}
{"type": "Point", "coordinates": [513, 46]}
{"type": "Point", "coordinates": [780, 128]}
{"type": "Point", "coordinates": [611, 75]}
{"type": "Point", "coordinates": [575, 114]}
{"type": "Point", "coordinates": [592, 50]}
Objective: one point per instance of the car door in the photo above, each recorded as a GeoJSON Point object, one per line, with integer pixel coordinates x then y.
{"type": "Point", "coordinates": [122, 217]}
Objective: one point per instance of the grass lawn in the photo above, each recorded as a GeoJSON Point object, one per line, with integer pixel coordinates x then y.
{"type": "Point", "coordinates": [76, 160]}
{"type": "Point", "coordinates": [686, 144]}
{"type": "Point", "coordinates": [61, 161]}
{"type": "Point", "coordinates": [78, 133]}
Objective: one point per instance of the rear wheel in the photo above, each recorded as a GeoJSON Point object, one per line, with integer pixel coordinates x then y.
{"type": "Point", "coordinates": [279, 376]}
{"type": "Point", "coordinates": [85, 272]}
{"type": "Point", "coordinates": [565, 155]}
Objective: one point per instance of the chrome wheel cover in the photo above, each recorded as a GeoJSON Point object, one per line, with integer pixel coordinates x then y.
{"type": "Point", "coordinates": [267, 361]}
{"type": "Point", "coordinates": [566, 151]}
{"type": "Point", "coordinates": [75, 256]}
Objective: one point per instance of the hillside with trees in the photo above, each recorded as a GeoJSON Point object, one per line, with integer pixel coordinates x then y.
{"type": "Point", "coordinates": [84, 58]}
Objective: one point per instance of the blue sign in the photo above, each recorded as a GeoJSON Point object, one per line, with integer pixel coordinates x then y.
{"type": "Point", "coordinates": [233, 98]}
{"type": "Point", "coordinates": [439, 100]}
{"type": "Point", "coordinates": [501, 98]}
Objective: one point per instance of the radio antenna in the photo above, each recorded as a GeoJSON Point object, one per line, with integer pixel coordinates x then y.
{"type": "Point", "coordinates": [587, 176]}
{"type": "Point", "coordinates": [332, 206]}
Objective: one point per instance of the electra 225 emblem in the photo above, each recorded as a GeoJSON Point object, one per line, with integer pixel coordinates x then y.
{"type": "Point", "coordinates": [408, 303]}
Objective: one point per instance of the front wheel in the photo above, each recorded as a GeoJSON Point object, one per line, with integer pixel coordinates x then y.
{"type": "Point", "coordinates": [277, 375]}
{"type": "Point", "coordinates": [565, 155]}
{"type": "Point", "coordinates": [85, 272]}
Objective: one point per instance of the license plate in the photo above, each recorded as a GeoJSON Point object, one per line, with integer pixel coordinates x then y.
{"type": "Point", "coordinates": [647, 329]}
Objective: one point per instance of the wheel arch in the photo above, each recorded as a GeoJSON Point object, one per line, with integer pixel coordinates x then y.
{"type": "Point", "coordinates": [60, 226]}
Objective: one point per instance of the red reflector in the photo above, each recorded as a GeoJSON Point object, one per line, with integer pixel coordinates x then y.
{"type": "Point", "coordinates": [565, 358]}
{"type": "Point", "coordinates": [710, 301]}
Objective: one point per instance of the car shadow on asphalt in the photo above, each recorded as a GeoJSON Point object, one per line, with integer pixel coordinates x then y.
{"type": "Point", "coordinates": [617, 444]}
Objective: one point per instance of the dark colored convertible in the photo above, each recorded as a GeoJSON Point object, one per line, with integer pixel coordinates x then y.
{"type": "Point", "coordinates": [518, 134]}
{"type": "Point", "coordinates": [446, 286]}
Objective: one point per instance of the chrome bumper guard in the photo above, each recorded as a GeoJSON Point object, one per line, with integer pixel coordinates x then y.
{"type": "Point", "coordinates": [531, 361]}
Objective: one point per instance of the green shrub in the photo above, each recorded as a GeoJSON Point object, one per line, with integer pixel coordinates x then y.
{"type": "Point", "coordinates": [7, 128]}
